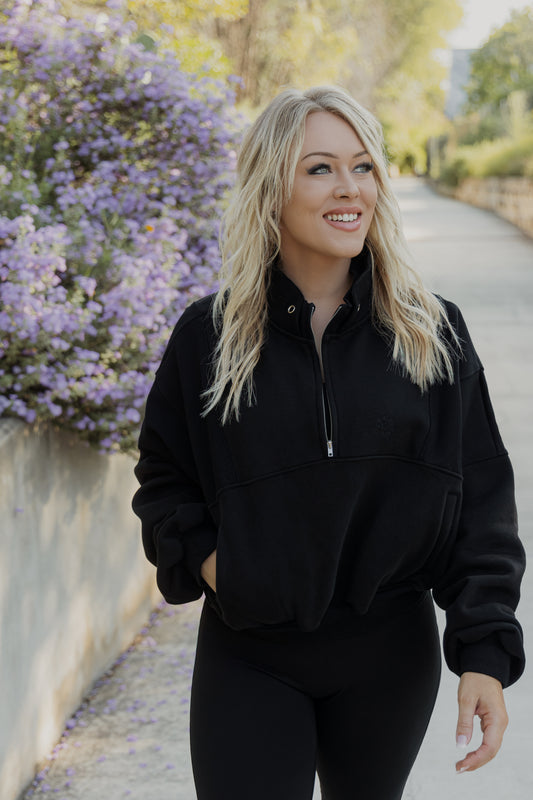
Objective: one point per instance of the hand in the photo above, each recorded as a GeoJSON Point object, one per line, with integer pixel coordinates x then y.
{"type": "Point", "coordinates": [208, 570]}
{"type": "Point", "coordinates": [480, 695]}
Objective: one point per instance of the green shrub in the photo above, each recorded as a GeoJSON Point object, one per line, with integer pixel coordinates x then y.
{"type": "Point", "coordinates": [510, 159]}
{"type": "Point", "coordinates": [498, 158]}
{"type": "Point", "coordinates": [454, 172]}
{"type": "Point", "coordinates": [477, 128]}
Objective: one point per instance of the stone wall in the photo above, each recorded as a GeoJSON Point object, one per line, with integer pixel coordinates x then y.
{"type": "Point", "coordinates": [74, 585]}
{"type": "Point", "coordinates": [510, 198]}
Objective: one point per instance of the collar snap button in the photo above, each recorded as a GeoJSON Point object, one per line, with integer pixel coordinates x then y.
{"type": "Point", "coordinates": [291, 309]}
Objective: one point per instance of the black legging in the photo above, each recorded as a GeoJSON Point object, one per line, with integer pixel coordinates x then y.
{"type": "Point", "coordinates": [268, 708]}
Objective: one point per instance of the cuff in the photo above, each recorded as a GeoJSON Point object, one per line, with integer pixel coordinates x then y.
{"type": "Point", "coordinates": [488, 657]}
{"type": "Point", "coordinates": [197, 550]}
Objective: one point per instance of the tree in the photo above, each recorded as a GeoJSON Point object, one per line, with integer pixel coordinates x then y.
{"type": "Point", "coordinates": [397, 43]}
{"type": "Point", "coordinates": [407, 94]}
{"type": "Point", "coordinates": [280, 42]}
{"type": "Point", "coordinates": [360, 45]}
{"type": "Point", "coordinates": [181, 27]}
{"type": "Point", "coordinates": [504, 64]}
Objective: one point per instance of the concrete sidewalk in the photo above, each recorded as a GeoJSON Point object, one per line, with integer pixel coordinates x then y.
{"type": "Point", "coordinates": [130, 737]}
{"type": "Point", "coordinates": [485, 265]}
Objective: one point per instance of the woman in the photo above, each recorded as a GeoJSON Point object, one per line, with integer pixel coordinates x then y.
{"type": "Point", "coordinates": [318, 452]}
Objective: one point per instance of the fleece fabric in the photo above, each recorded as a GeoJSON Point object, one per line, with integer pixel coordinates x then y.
{"type": "Point", "coordinates": [334, 496]}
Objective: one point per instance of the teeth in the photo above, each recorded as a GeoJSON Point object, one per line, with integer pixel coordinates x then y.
{"type": "Point", "coordinates": [342, 217]}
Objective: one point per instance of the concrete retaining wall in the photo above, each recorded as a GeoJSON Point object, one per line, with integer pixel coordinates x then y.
{"type": "Point", "coordinates": [75, 587]}
{"type": "Point", "coordinates": [510, 198]}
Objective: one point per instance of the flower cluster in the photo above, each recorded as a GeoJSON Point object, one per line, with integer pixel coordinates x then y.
{"type": "Point", "coordinates": [114, 167]}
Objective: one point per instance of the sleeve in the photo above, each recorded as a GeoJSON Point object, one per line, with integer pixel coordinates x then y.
{"type": "Point", "coordinates": [178, 531]}
{"type": "Point", "coordinates": [480, 586]}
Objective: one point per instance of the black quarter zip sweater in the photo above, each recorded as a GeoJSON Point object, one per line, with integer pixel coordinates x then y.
{"type": "Point", "coordinates": [334, 496]}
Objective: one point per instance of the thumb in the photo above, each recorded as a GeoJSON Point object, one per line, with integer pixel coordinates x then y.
{"type": "Point", "coordinates": [465, 722]}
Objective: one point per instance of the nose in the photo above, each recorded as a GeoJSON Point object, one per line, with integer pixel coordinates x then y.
{"type": "Point", "coordinates": [347, 186]}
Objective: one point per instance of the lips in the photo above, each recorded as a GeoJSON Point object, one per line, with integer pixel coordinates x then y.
{"type": "Point", "coordinates": [340, 211]}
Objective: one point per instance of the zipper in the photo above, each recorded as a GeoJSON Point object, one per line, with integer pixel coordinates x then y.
{"type": "Point", "coordinates": [326, 407]}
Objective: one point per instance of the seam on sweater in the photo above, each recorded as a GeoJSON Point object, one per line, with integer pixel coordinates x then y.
{"type": "Point", "coordinates": [477, 371]}
{"type": "Point", "coordinates": [490, 417]}
{"type": "Point", "coordinates": [503, 454]}
{"type": "Point", "coordinates": [309, 464]}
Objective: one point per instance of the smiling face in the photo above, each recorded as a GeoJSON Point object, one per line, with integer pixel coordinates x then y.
{"type": "Point", "coordinates": [334, 195]}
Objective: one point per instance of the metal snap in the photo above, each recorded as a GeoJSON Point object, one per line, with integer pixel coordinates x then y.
{"type": "Point", "coordinates": [291, 309]}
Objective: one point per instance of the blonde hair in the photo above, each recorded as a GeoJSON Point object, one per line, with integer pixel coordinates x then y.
{"type": "Point", "coordinates": [410, 316]}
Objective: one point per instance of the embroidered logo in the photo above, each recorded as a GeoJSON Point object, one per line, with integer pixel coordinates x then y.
{"type": "Point", "coordinates": [385, 425]}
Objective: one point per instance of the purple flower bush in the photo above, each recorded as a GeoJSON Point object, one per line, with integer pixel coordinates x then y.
{"type": "Point", "coordinates": [114, 165]}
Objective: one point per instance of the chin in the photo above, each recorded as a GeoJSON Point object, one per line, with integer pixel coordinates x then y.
{"type": "Point", "coordinates": [348, 252]}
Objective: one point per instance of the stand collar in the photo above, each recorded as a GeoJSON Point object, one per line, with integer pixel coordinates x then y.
{"type": "Point", "coordinates": [289, 310]}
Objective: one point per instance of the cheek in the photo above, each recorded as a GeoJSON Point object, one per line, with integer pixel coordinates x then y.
{"type": "Point", "coordinates": [296, 212]}
{"type": "Point", "coordinates": [372, 195]}
{"type": "Point", "coordinates": [371, 198]}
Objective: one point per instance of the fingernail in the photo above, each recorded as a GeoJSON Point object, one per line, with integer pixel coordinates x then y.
{"type": "Point", "coordinates": [459, 771]}
{"type": "Point", "coordinates": [462, 741]}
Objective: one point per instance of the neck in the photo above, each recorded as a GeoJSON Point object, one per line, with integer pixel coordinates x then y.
{"type": "Point", "coordinates": [319, 281]}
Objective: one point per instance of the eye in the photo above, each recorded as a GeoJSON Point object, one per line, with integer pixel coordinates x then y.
{"type": "Point", "coordinates": [319, 169]}
{"type": "Point", "coordinates": [364, 168]}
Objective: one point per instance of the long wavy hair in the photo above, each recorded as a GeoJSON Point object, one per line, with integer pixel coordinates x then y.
{"type": "Point", "coordinates": [407, 314]}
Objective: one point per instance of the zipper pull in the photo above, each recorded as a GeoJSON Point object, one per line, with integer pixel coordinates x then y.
{"type": "Point", "coordinates": [330, 448]}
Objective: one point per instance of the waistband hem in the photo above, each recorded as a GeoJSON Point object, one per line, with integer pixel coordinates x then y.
{"type": "Point", "coordinates": [341, 620]}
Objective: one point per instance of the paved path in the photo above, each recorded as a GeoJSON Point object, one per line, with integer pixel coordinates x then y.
{"type": "Point", "coordinates": [485, 265]}
{"type": "Point", "coordinates": [130, 737]}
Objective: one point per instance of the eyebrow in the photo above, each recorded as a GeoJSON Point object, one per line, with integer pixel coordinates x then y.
{"type": "Point", "coordinates": [331, 155]}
